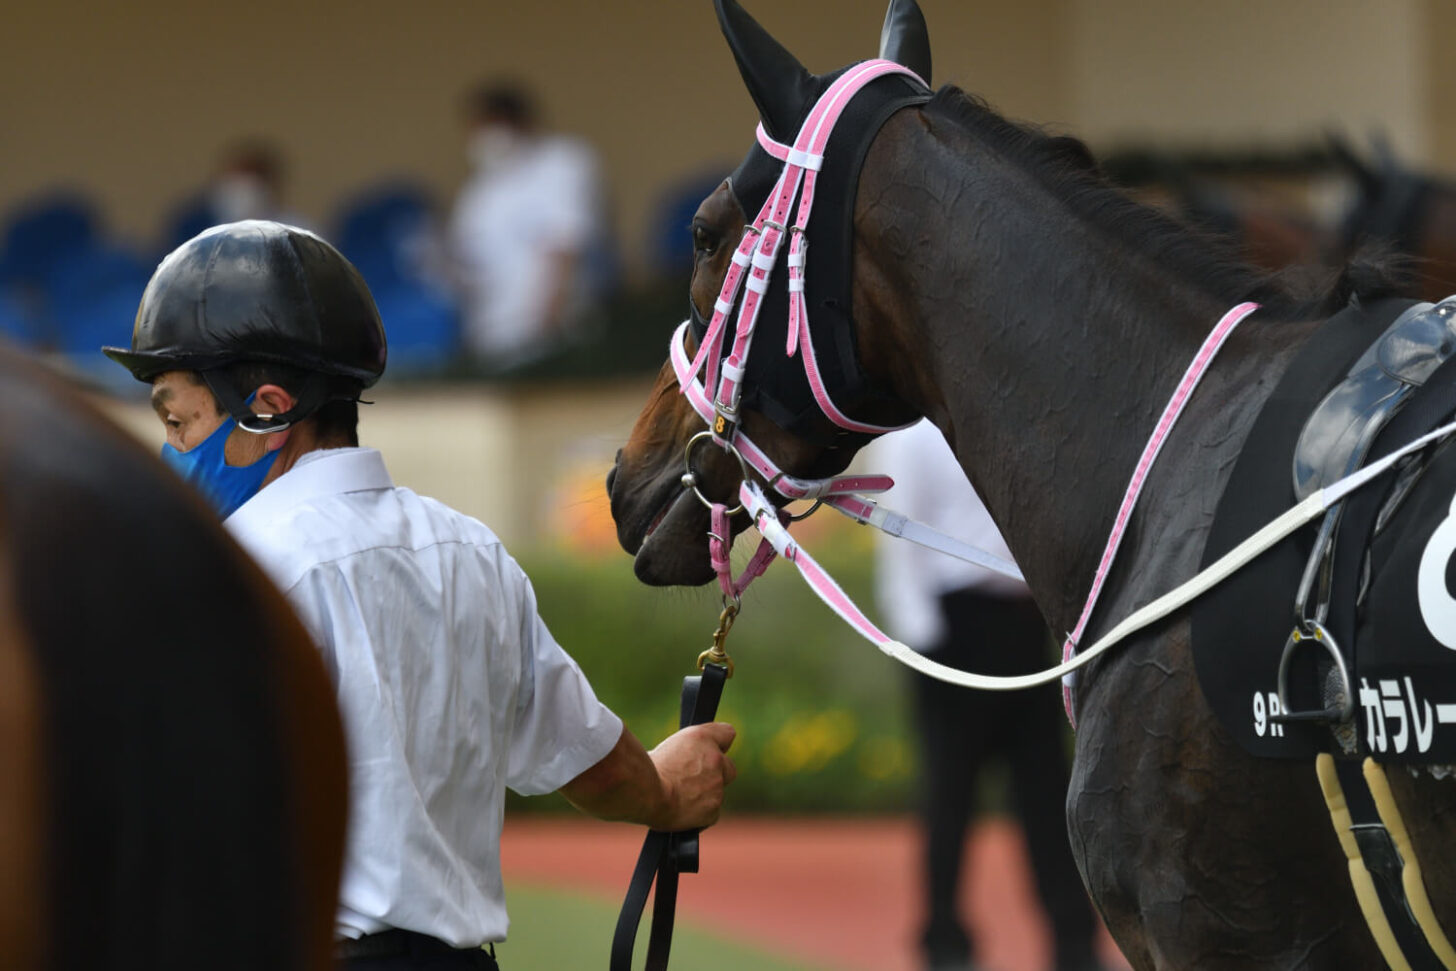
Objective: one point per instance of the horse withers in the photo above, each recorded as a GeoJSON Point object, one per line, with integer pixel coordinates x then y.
{"type": "Point", "coordinates": [175, 789]}
{"type": "Point", "coordinates": [982, 273]}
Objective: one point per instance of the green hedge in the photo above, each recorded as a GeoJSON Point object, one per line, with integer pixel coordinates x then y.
{"type": "Point", "coordinates": [821, 714]}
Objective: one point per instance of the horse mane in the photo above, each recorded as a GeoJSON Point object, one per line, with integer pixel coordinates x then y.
{"type": "Point", "coordinates": [1067, 167]}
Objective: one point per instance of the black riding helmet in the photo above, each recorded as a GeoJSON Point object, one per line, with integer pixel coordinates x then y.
{"type": "Point", "coordinates": [258, 291]}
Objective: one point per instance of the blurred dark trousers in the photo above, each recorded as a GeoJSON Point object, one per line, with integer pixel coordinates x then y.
{"type": "Point", "coordinates": [397, 950]}
{"type": "Point", "coordinates": [960, 731]}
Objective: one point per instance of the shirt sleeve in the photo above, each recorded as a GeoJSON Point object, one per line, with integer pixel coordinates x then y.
{"type": "Point", "coordinates": [561, 729]}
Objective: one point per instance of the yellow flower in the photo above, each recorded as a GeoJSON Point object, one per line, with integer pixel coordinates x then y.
{"type": "Point", "coordinates": [809, 742]}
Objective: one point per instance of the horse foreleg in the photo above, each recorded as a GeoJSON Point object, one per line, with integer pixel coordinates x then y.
{"type": "Point", "coordinates": [1198, 855]}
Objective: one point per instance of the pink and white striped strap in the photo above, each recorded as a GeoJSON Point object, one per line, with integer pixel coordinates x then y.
{"type": "Point", "coordinates": [1191, 377]}
{"type": "Point", "coordinates": [788, 486]}
{"type": "Point", "coordinates": [765, 520]}
{"type": "Point", "coordinates": [720, 543]}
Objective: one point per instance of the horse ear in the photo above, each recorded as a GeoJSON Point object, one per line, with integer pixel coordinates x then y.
{"type": "Point", "coordinates": [905, 38]}
{"type": "Point", "coordinates": [779, 84]}
{"type": "Point", "coordinates": [1344, 154]}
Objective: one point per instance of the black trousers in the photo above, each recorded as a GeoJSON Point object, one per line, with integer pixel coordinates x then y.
{"type": "Point", "coordinates": [960, 732]}
{"type": "Point", "coordinates": [421, 962]}
{"type": "Point", "coordinates": [408, 951]}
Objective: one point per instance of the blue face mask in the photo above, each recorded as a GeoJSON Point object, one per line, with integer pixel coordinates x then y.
{"type": "Point", "coordinates": [226, 486]}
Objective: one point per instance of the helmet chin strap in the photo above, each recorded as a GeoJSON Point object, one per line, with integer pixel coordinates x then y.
{"type": "Point", "coordinates": [311, 397]}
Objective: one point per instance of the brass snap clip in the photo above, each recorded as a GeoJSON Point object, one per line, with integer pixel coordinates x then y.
{"type": "Point", "coordinates": [716, 654]}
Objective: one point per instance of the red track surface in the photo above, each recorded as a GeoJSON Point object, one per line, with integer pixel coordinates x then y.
{"type": "Point", "coordinates": [840, 893]}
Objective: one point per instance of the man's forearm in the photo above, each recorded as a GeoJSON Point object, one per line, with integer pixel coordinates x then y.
{"type": "Point", "coordinates": [678, 785]}
{"type": "Point", "coordinates": [625, 785]}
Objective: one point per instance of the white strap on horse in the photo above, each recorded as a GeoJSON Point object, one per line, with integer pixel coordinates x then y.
{"type": "Point", "coordinates": [1228, 564]}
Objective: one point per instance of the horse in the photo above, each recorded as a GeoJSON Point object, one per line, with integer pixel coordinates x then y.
{"type": "Point", "coordinates": [998, 285]}
{"type": "Point", "coordinates": [1245, 198]}
{"type": "Point", "coordinates": [1408, 210]}
{"type": "Point", "coordinates": [175, 785]}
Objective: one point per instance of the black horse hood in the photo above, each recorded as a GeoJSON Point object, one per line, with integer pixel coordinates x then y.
{"type": "Point", "coordinates": [785, 94]}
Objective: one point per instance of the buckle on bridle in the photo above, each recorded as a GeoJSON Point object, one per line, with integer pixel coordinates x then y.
{"type": "Point", "coordinates": [690, 478]}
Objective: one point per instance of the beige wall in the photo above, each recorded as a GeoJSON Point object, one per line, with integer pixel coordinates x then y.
{"type": "Point", "coordinates": [133, 101]}
{"type": "Point", "coordinates": [1213, 72]}
{"type": "Point", "coordinates": [1440, 93]}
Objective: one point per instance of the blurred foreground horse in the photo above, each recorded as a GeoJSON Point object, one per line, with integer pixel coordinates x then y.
{"type": "Point", "coordinates": [173, 790]}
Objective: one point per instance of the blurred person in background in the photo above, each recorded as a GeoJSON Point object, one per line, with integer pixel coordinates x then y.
{"type": "Point", "coordinates": [257, 340]}
{"type": "Point", "coordinates": [247, 182]}
{"type": "Point", "coordinates": [527, 232]}
{"type": "Point", "coordinates": [975, 620]}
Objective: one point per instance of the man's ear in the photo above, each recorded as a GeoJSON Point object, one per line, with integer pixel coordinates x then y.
{"type": "Point", "coordinates": [274, 400]}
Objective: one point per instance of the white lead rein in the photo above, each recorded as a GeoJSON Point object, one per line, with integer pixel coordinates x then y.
{"type": "Point", "coordinates": [1226, 565]}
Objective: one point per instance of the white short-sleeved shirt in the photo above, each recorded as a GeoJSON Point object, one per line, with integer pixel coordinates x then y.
{"type": "Point", "coordinates": [930, 486]}
{"type": "Point", "coordinates": [450, 686]}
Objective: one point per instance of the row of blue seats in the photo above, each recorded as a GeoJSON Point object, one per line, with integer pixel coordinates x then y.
{"type": "Point", "coordinates": [66, 287]}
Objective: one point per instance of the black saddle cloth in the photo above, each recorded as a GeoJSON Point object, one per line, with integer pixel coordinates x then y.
{"type": "Point", "coordinates": [1403, 675]}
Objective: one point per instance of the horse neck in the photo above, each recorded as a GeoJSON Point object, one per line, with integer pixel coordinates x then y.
{"type": "Point", "coordinates": [1045, 352]}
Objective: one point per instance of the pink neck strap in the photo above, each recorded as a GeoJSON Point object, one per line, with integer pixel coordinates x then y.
{"type": "Point", "coordinates": [1196, 369]}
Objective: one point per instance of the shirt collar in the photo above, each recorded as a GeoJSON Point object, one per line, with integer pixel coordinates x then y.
{"type": "Point", "coordinates": [318, 474]}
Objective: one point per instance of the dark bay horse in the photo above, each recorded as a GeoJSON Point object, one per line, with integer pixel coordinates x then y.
{"type": "Point", "coordinates": [999, 286]}
{"type": "Point", "coordinates": [172, 780]}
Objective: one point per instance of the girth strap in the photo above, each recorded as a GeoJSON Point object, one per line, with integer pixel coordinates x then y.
{"type": "Point", "coordinates": [664, 855]}
{"type": "Point", "coordinates": [1383, 867]}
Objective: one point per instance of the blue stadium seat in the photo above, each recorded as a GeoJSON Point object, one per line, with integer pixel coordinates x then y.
{"type": "Point", "coordinates": [379, 230]}
{"type": "Point", "coordinates": [422, 325]}
{"type": "Point", "coordinates": [386, 231]}
{"type": "Point", "coordinates": [669, 241]}
{"type": "Point", "coordinates": [42, 233]}
{"type": "Point", "coordinates": [18, 323]}
{"type": "Point", "coordinates": [190, 217]}
{"type": "Point", "coordinates": [92, 299]}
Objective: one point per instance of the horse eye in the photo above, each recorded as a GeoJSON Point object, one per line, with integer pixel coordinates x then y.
{"type": "Point", "coordinates": [704, 240]}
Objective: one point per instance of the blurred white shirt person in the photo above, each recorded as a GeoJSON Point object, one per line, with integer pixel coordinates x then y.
{"type": "Point", "coordinates": [522, 232]}
{"type": "Point", "coordinates": [909, 579]}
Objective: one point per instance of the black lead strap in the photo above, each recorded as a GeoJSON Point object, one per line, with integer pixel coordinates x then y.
{"type": "Point", "coordinates": [664, 855]}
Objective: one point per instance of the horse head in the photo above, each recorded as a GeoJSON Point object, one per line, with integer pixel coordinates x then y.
{"type": "Point", "coordinates": [796, 393]}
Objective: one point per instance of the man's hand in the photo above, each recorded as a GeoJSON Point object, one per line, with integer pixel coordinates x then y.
{"type": "Point", "coordinates": [695, 768]}
{"type": "Point", "coordinates": [679, 785]}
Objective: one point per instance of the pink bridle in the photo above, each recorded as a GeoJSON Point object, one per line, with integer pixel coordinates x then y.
{"type": "Point", "coordinates": [749, 273]}
{"type": "Point", "coordinates": [758, 253]}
